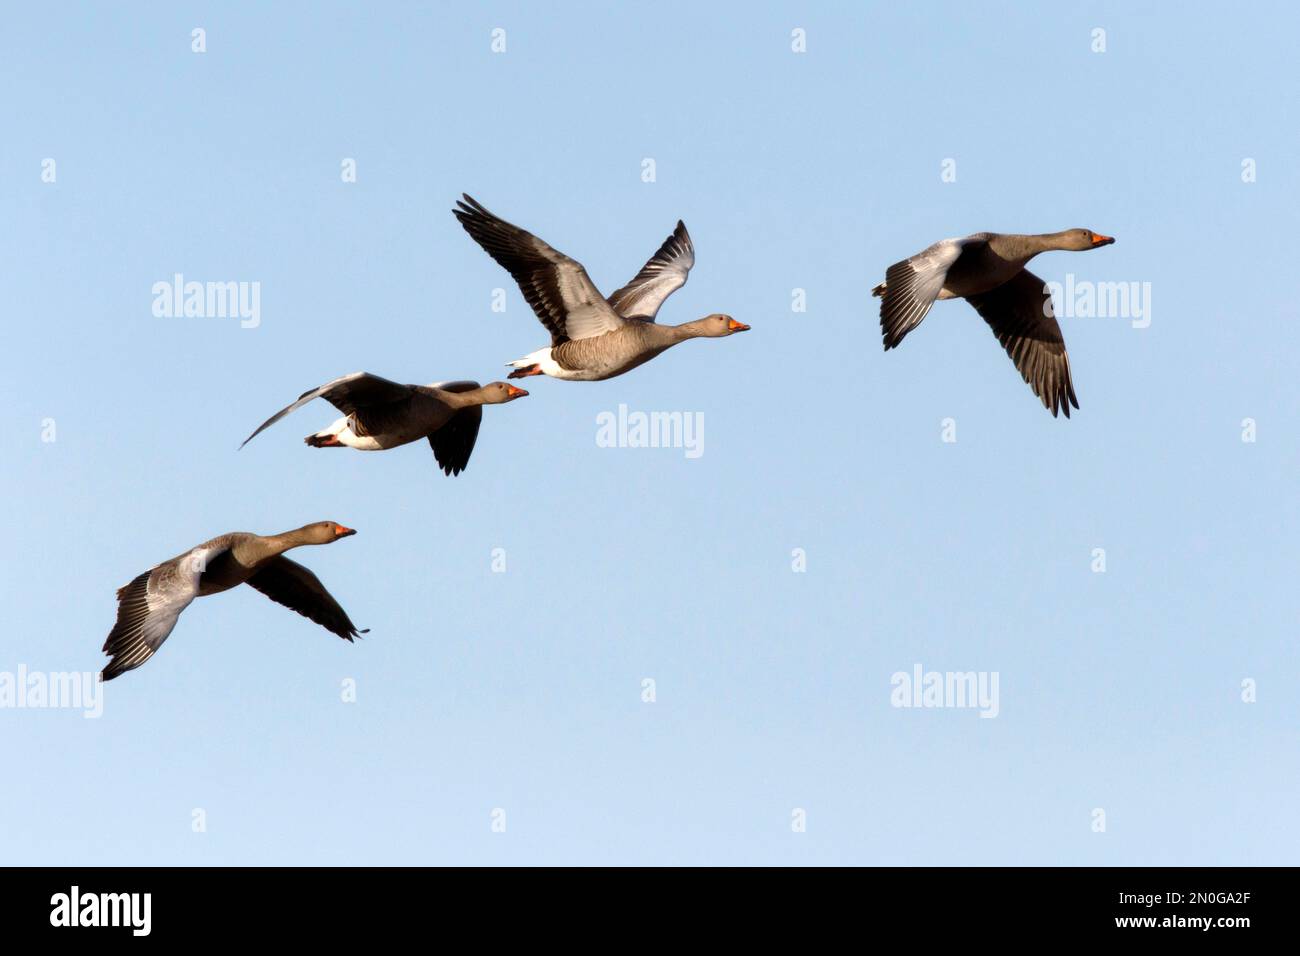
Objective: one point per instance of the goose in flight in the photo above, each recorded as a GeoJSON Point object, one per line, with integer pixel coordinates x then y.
{"type": "Point", "coordinates": [592, 338]}
{"type": "Point", "coordinates": [988, 271]}
{"type": "Point", "coordinates": [379, 414]}
{"type": "Point", "coordinates": [148, 607]}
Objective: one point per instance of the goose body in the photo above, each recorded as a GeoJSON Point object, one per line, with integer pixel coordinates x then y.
{"type": "Point", "coordinates": [379, 414]}
{"type": "Point", "coordinates": [592, 338]}
{"type": "Point", "coordinates": [150, 605]}
{"type": "Point", "coordinates": [987, 269]}
{"type": "Point", "coordinates": [613, 353]}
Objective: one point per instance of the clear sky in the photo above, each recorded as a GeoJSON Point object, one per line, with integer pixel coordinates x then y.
{"type": "Point", "coordinates": [521, 690]}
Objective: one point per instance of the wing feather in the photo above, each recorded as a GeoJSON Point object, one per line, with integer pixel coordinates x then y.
{"type": "Point", "coordinates": [148, 608]}
{"type": "Point", "coordinates": [661, 276]}
{"type": "Point", "coordinates": [349, 394]}
{"type": "Point", "coordinates": [453, 443]}
{"type": "Point", "coordinates": [297, 588]}
{"type": "Point", "coordinates": [556, 287]}
{"type": "Point", "coordinates": [911, 286]}
{"type": "Point", "coordinates": [1020, 314]}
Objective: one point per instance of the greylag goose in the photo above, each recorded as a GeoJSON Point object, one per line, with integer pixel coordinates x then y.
{"type": "Point", "coordinates": [148, 607]}
{"type": "Point", "coordinates": [592, 338]}
{"type": "Point", "coordinates": [988, 271]}
{"type": "Point", "coordinates": [379, 414]}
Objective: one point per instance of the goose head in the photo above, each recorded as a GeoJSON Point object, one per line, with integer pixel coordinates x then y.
{"type": "Point", "coordinates": [323, 532]}
{"type": "Point", "coordinates": [717, 325]}
{"type": "Point", "coordinates": [498, 393]}
{"type": "Point", "coordinates": [1076, 240]}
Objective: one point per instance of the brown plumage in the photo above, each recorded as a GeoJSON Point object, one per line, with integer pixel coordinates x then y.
{"type": "Point", "coordinates": [150, 605]}
{"type": "Point", "coordinates": [988, 270]}
{"type": "Point", "coordinates": [379, 414]}
{"type": "Point", "coordinates": [592, 338]}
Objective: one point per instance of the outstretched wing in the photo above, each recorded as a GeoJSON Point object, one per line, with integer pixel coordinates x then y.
{"type": "Point", "coordinates": [911, 286]}
{"type": "Point", "coordinates": [148, 608]}
{"type": "Point", "coordinates": [348, 394]}
{"type": "Point", "coordinates": [453, 443]}
{"type": "Point", "coordinates": [289, 583]}
{"type": "Point", "coordinates": [557, 287]}
{"type": "Point", "coordinates": [660, 277]}
{"type": "Point", "coordinates": [1020, 314]}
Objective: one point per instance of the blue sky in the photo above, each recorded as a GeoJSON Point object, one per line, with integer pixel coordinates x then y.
{"type": "Point", "coordinates": [522, 690]}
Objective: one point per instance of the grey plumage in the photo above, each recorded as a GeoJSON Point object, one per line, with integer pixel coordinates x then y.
{"type": "Point", "coordinates": [150, 605]}
{"type": "Point", "coordinates": [387, 415]}
{"type": "Point", "coordinates": [988, 270]}
{"type": "Point", "coordinates": [591, 338]}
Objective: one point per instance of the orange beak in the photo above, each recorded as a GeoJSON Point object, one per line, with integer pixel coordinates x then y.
{"type": "Point", "coordinates": [342, 532]}
{"type": "Point", "coordinates": [734, 326]}
{"type": "Point", "coordinates": [1100, 240]}
{"type": "Point", "coordinates": [512, 392]}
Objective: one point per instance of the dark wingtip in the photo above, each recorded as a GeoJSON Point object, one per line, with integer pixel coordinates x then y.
{"type": "Point", "coordinates": [464, 206]}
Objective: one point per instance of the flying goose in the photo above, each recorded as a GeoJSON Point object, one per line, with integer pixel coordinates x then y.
{"type": "Point", "coordinates": [592, 338]}
{"type": "Point", "coordinates": [988, 271]}
{"type": "Point", "coordinates": [148, 607]}
{"type": "Point", "coordinates": [379, 414]}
